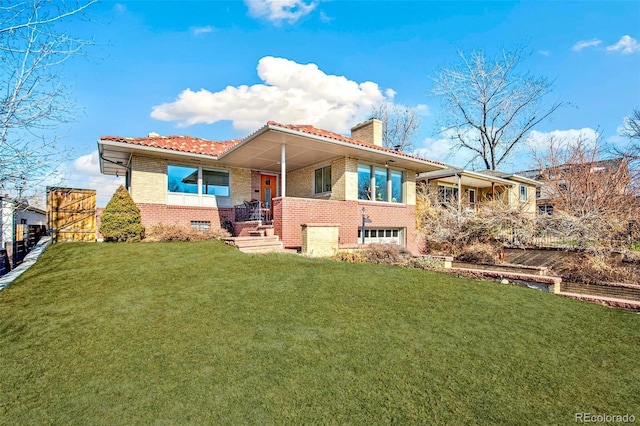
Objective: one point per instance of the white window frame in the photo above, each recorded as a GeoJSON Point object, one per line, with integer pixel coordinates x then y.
{"type": "Point", "coordinates": [397, 235]}
{"type": "Point", "coordinates": [323, 180]}
{"type": "Point", "coordinates": [199, 199]}
{"type": "Point", "coordinates": [524, 195]}
{"type": "Point", "coordinates": [453, 188]}
{"type": "Point", "coordinates": [389, 184]}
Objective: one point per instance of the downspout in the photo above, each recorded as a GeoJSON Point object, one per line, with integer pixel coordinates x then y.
{"type": "Point", "coordinates": [459, 196]}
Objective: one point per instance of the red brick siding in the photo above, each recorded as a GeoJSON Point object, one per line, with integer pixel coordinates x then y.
{"type": "Point", "coordinates": [291, 213]}
{"type": "Point", "coordinates": [242, 229]}
{"type": "Point", "coordinates": [154, 214]}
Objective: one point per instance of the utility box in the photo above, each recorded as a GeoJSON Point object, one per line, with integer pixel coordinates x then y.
{"type": "Point", "coordinates": [320, 239]}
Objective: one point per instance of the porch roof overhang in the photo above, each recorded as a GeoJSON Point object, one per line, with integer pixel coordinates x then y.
{"type": "Point", "coordinates": [523, 180]}
{"type": "Point", "coordinates": [115, 156]}
{"type": "Point", "coordinates": [262, 151]}
{"type": "Point", "coordinates": [467, 178]}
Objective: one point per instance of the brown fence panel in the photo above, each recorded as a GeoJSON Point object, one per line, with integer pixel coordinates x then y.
{"type": "Point", "coordinates": [71, 214]}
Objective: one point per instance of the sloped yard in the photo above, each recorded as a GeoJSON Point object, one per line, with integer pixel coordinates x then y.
{"type": "Point", "coordinates": [198, 333]}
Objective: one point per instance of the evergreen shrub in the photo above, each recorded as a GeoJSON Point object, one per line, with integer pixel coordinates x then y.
{"type": "Point", "coordinates": [120, 220]}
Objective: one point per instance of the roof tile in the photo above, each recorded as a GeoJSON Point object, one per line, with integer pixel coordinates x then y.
{"type": "Point", "coordinates": [178, 143]}
{"type": "Point", "coordinates": [217, 148]}
{"type": "Point", "coordinates": [306, 128]}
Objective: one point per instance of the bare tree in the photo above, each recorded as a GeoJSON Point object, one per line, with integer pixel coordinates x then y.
{"type": "Point", "coordinates": [399, 125]}
{"type": "Point", "coordinates": [631, 127]}
{"type": "Point", "coordinates": [488, 106]}
{"type": "Point", "coordinates": [34, 100]}
{"type": "Point", "coordinates": [593, 198]}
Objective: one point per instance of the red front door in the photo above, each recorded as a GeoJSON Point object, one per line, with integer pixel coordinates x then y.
{"type": "Point", "coordinates": [267, 192]}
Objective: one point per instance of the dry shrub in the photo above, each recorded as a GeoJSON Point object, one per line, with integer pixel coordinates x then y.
{"type": "Point", "coordinates": [435, 248]}
{"type": "Point", "coordinates": [351, 257]}
{"type": "Point", "coordinates": [479, 253]}
{"type": "Point", "coordinates": [492, 220]}
{"type": "Point", "coordinates": [598, 267]}
{"type": "Point", "coordinates": [390, 254]}
{"type": "Point", "coordinates": [165, 233]}
{"type": "Point", "coordinates": [425, 262]}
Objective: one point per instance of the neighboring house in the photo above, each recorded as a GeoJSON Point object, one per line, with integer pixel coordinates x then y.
{"type": "Point", "coordinates": [15, 217]}
{"type": "Point", "coordinates": [468, 188]}
{"type": "Point", "coordinates": [561, 184]}
{"type": "Point", "coordinates": [292, 175]}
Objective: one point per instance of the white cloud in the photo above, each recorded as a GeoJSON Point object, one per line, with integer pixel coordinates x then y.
{"type": "Point", "coordinates": [278, 11]}
{"type": "Point", "coordinates": [626, 45]}
{"type": "Point", "coordinates": [201, 30]}
{"type": "Point", "coordinates": [544, 52]}
{"type": "Point", "coordinates": [540, 140]}
{"type": "Point", "coordinates": [585, 43]}
{"type": "Point", "coordinates": [120, 8]}
{"type": "Point", "coordinates": [443, 149]}
{"type": "Point", "coordinates": [325, 18]}
{"type": "Point", "coordinates": [291, 93]}
{"type": "Point", "coordinates": [435, 149]}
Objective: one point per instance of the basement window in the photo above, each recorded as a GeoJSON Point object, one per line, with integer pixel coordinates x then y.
{"type": "Point", "coordinates": [201, 225]}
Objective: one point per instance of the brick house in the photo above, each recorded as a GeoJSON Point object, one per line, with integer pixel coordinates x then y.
{"type": "Point", "coordinates": [284, 175]}
{"type": "Point", "coordinates": [469, 188]}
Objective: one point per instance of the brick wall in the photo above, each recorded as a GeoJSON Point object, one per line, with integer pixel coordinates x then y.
{"type": "Point", "coordinates": [370, 131]}
{"type": "Point", "coordinates": [241, 184]}
{"type": "Point", "coordinates": [618, 291]}
{"type": "Point", "coordinates": [99, 211]}
{"type": "Point", "coordinates": [148, 180]}
{"type": "Point", "coordinates": [255, 186]}
{"type": "Point", "coordinates": [291, 213]}
{"type": "Point", "coordinates": [410, 187]}
{"type": "Point", "coordinates": [154, 214]}
{"type": "Point", "coordinates": [350, 179]}
{"type": "Point", "coordinates": [301, 183]}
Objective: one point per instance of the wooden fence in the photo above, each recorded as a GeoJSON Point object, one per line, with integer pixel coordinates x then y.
{"type": "Point", "coordinates": [71, 214]}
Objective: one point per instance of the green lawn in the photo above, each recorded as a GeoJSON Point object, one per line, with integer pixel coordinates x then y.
{"type": "Point", "coordinates": [198, 333]}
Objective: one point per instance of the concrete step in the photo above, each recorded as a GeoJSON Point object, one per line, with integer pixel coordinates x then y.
{"type": "Point", "coordinates": [256, 241]}
{"type": "Point", "coordinates": [610, 301]}
{"type": "Point", "coordinates": [256, 244]}
{"type": "Point", "coordinates": [263, 249]}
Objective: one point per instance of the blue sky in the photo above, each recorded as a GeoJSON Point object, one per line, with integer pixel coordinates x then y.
{"type": "Point", "coordinates": [219, 70]}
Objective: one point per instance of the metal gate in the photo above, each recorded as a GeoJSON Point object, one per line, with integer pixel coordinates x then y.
{"type": "Point", "coordinates": [71, 214]}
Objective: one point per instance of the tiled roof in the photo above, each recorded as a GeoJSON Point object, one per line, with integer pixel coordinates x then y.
{"type": "Point", "coordinates": [217, 148]}
{"type": "Point", "coordinates": [178, 143]}
{"type": "Point", "coordinates": [306, 128]}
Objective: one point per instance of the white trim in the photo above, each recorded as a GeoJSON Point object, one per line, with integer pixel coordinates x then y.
{"type": "Point", "coordinates": [199, 199]}
{"type": "Point", "coordinates": [299, 133]}
{"type": "Point", "coordinates": [283, 170]}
